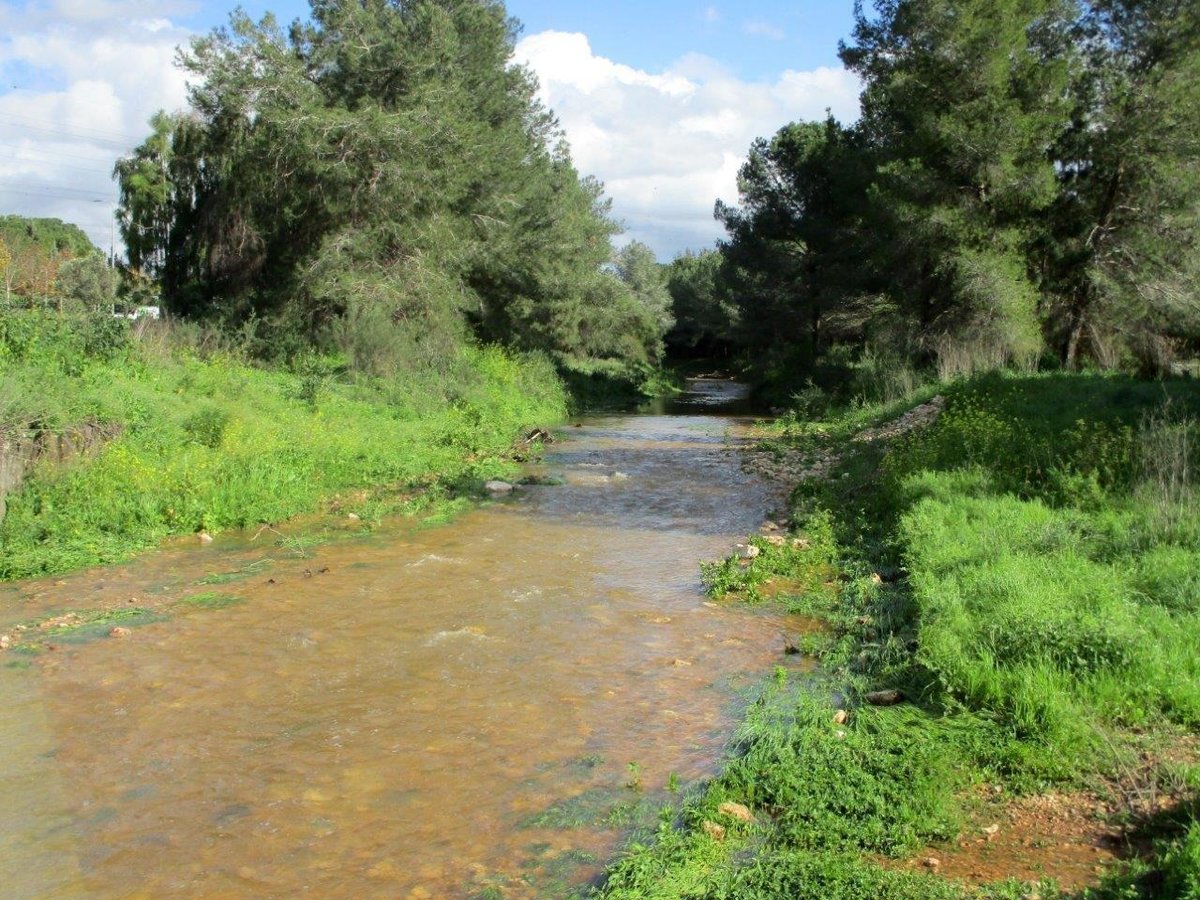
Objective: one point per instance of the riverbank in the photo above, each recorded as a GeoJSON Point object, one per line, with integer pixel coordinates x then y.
{"type": "Point", "coordinates": [1011, 693]}
{"type": "Point", "coordinates": [349, 717]}
{"type": "Point", "coordinates": [205, 442]}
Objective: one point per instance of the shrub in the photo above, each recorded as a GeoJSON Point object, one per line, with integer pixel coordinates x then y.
{"type": "Point", "coordinates": [207, 426]}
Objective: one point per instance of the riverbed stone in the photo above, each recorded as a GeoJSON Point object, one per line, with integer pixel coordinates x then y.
{"type": "Point", "coordinates": [498, 487]}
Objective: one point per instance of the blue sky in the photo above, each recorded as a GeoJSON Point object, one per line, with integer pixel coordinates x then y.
{"type": "Point", "coordinates": [755, 39]}
{"type": "Point", "coordinates": [659, 100]}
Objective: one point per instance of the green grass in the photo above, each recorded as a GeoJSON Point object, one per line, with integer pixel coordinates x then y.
{"type": "Point", "coordinates": [211, 600]}
{"type": "Point", "coordinates": [247, 571]}
{"type": "Point", "coordinates": [1039, 608]}
{"type": "Point", "coordinates": [94, 625]}
{"type": "Point", "coordinates": [209, 442]}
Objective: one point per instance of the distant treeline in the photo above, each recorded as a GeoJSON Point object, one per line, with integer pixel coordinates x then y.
{"type": "Point", "coordinates": [50, 259]}
{"type": "Point", "coordinates": [380, 182]}
{"type": "Point", "coordinates": [1023, 187]}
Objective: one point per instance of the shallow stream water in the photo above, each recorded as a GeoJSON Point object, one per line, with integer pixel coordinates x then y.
{"type": "Point", "coordinates": [478, 709]}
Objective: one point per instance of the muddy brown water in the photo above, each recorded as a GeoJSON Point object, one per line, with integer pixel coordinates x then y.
{"type": "Point", "coordinates": [479, 709]}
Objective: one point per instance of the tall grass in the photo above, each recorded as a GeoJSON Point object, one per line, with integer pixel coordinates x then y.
{"type": "Point", "coordinates": [210, 442]}
{"type": "Point", "coordinates": [1170, 453]}
{"type": "Point", "coordinates": [1039, 608]}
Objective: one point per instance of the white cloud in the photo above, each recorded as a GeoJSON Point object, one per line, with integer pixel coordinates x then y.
{"type": "Point", "coordinates": [711, 15]}
{"type": "Point", "coordinates": [667, 145]}
{"type": "Point", "coordinates": [764, 29]}
{"type": "Point", "coordinates": [88, 74]}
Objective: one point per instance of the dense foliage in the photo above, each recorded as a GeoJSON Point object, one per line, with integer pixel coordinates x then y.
{"type": "Point", "coordinates": [1023, 184]}
{"type": "Point", "coordinates": [33, 251]}
{"type": "Point", "coordinates": [380, 180]}
{"type": "Point", "coordinates": [203, 440]}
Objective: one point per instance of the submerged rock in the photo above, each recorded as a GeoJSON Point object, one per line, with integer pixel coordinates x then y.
{"type": "Point", "coordinates": [588, 480]}
{"type": "Point", "coordinates": [498, 487]}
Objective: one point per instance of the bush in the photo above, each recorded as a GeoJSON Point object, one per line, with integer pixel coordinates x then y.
{"type": "Point", "coordinates": [207, 426]}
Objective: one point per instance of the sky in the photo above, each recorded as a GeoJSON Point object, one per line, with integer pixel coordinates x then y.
{"type": "Point", "coordinates": [659, 99]}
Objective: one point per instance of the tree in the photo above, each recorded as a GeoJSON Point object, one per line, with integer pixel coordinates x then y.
{"type": "Point", "coordinates": [638, 268]}
{"type": "Point", "coordinates": [705, 316]}
{"type": "Point", "coordinates": [961, 102]}
{"type": "Point", "coordinates": [88, 281]}
{"type": "Point", "coordinates": [795, 249]}
{"type": "Point", "coordinates": [1024, 171]}
{"type": "Point", "coordinates": [1120, 252]}
{"type": "Point", "coordinates": [149, 199]}
{"type": "Point", "coordinates": [382, 162]}
{"type": "Point", "coordinates": [36, 249]}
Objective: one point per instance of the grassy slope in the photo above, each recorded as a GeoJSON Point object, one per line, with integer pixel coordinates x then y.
{"type": "Point", "coordinates": [1040, 603]}
{"type": "Point", "coordinates": [211, 443]}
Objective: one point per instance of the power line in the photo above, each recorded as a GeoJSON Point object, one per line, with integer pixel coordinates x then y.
{"type": "Point", "coordinates": [92, 134]}
{"type": "Point", "coordinates": [115, 145]}
{"type": "Point", "coordinates": [18, 160]}
{"type": "Point", "coordinates": [62, 193]}
{"type": "Point", "coordinates": [44, 152]}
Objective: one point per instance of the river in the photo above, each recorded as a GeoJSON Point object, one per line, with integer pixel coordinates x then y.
{"type": "Point", "coordinates": [483, 708]}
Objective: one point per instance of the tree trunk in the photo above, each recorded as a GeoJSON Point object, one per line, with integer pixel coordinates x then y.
{"type": "Point", "coordinates": [815, 330]}
{"type": "Point", "coordinates": [1074, 335]}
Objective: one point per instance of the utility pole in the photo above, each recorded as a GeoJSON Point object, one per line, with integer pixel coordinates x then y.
{"type": "Point", "coordinates": [112, 236]}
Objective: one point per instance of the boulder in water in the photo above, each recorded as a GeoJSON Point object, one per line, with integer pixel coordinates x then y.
{"type": "Point", "coordinates": [498, 487]}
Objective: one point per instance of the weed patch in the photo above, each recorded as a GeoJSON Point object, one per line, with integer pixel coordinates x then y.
{"type": "Point", "coordinates": [211, 600]}
{"type": "Point", "coordinates": [1021, 575]}
{"type": "Point", "coordinates": [247, 571]}
{"type": "Point", "coordinates": [210, 443]}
